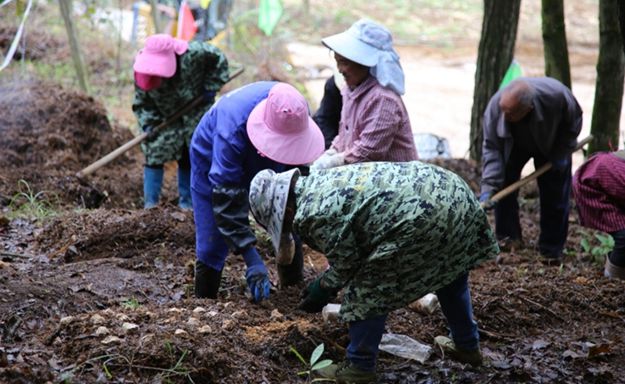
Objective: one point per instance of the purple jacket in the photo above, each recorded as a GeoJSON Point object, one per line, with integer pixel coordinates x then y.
{"type": "Point", "coordinates": [554, 123]}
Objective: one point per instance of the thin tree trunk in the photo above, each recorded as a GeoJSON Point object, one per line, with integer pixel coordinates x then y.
{"type": "Point", "coordinates": [606, 112]}
{"type": "Point", "coordinates": [495, 53]}
{"type": "Point", "coordinates": [554, 41]}
{"type": "Point", "coordinates": [155, 18]}
{"type": "Point", "coordinates": [81, 72]}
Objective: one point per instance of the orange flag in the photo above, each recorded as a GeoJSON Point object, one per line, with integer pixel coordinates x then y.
{"type": "Point", "coordinates": [186, 23]}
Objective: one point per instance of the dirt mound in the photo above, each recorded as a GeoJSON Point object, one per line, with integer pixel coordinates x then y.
{"type": "Point", "coordinates": [49, 133]}
{"type": "Point", "coordinates": [35, 44]}
{"type": "Point", "coordinates": [125, 234]}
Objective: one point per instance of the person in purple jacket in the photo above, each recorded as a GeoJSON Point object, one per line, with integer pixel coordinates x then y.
{"type": "Point", "coordinates": [535, 118]}
{"type": "Point", "coordinates": [263, 125]}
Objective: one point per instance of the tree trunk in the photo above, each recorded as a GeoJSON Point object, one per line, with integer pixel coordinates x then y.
{"type": "Point", "coordinates": [495, 53]}
{"type": "Point", "coordinates": [81, 73]}
{"type": "Point", "coordinates": [606, 112]}
{"type": "Point", "coordinates": [554, 41]}
{"type": "Point", "coordinates": [155, 17]}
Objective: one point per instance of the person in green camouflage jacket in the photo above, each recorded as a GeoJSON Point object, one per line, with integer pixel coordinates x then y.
{"type": "Point", "coordinates": [169, 74]}
{"type": "Point", "coordinates": [392, 232]}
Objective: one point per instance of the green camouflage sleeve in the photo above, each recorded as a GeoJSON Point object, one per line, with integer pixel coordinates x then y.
{"type": "Point", "coordinates": [145, 109]}
{"type": "Point", "coordinates": [346, 261]}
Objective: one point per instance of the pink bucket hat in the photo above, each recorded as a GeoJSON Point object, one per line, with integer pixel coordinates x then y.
{"type": "Point", "coordinates": [158, 57]}
{"type": "Point", "coordinates": [281, 129]}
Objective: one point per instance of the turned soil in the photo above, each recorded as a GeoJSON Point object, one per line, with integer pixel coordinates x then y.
{"type": "Point", "coordinates": [95, 289]}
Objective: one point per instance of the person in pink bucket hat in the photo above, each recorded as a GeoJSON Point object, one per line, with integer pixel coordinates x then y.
{"type": "Point", "coordinates": [170, 73]}
{"type": "Point", "coordinates": [263, 125]}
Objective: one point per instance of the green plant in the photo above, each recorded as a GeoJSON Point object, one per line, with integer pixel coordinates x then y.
{"type": "Point", "coordinates": [313, 364]}
{"type": "Point", "coordinates": [28, 203]}
{"type": "Point", "coordinates": [599, 250]}
{"type": "Point", "coordinates": [131, 303]}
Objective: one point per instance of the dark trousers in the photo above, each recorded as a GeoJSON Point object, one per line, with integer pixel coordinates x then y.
{"type": "Point", "coordinates": [617, 256]}
{"type": "Point", "coordinates": [555, 189]}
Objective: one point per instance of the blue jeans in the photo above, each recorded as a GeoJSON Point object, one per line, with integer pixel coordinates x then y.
{"type": "Point", "coordinates": [455, 299]}
{"type": "Point", "coordinates": [555, 189]}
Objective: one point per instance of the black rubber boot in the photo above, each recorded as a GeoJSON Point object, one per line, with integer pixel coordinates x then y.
{"type": "Point", "coordinates": [292, 274]}
{"type": "Point", "coordinates": [207, 281]}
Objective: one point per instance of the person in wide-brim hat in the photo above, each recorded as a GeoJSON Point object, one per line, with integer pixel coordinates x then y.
{"type": "Point", "coordinates": [374, 123]}
{"type": "Point", "coordinates": [263, 125]}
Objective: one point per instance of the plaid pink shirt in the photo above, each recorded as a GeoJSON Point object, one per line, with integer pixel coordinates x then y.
{"type": "Point", "coordinates": [374, 125]}
{"type": "Point", "coordinates": [599, 190]}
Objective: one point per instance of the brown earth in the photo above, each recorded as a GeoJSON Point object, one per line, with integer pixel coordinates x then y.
{"type": "Point", "coordinates": [104, 295]}
{"type": "Point", "coordinates": [95, 289]}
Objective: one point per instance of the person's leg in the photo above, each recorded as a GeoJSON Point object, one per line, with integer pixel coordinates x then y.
{"type": "Point", "coordinates": [507, 224]}
{"type": "Point", "coordinates": [555, 191]}
{"type": "Point", "coordinates": [362, 352]}
{"type": "Point", "coordinates": [455, 301]}
{"type": "Point", "coordinates": [184, 180]}
{"type": "Point", "coordinates": [364, 341]}
{"type": "Point", "coordinates": [615, 262]}
{"type": "Point", "coordinates": [211, 249]}
{"type": "Point", "coordinates": [152, 183]}
{"type": "Point", "coordinates": [292, 274]}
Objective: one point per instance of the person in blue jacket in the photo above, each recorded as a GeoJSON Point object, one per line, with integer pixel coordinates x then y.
{"type": "Point", "coordinates": [263, 125]}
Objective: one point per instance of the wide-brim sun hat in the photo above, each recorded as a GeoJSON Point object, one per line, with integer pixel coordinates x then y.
{"type": "Point", "coordinates": [360, 43]}
{"type": "Point", "coordinates": [269, 192]}
{"type": "Point", "coordinates": [280, 128]}
{"type": "Point", "coordinates": [158, 56]}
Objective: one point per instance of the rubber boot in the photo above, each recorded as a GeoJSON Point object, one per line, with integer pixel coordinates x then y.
{"type": "Point", "coordinates": [152, 183]}
{"type": "Point", "coordinates": [613, 271]}
{"type": "Point", "coordinates": [184, 188]}
{"type": "Point", "coordinates": [292, 274]}
{"type": "Point", "coordinates": [207, 281]}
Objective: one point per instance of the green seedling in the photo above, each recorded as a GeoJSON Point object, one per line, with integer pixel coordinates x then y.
{"type": "Point", "coordinates": [313, 364]}
{"type": "Point", "coordinates": [30, 204]}
{"type": "Point", "coordinates": [600, 250]}
{"type": "Point", "coordinates": [131, 303]}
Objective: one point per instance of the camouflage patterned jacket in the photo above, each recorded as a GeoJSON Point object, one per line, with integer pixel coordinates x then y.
{"type": "Point", "coordinates": [202, 67]}
{"type": "Point", "coordinates": [392, 232]}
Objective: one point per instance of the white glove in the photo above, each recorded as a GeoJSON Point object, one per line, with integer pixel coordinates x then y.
{"type": "Point", "coordinates": [329, 159]}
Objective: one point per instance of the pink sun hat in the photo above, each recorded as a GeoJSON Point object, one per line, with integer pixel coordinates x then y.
{"type": "Point", "coordinates": [158, 56]}
{"type": "Point", "coordinates": [281, 129]}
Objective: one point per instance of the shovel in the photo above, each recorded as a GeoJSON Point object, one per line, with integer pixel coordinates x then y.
{"type": "Point", "coordinates": [534, 175]}
{"type": "Point", "coordinates": [137, 140]}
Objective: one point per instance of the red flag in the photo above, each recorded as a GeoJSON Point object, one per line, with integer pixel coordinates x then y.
{"type": "Point", "coordinates": [186, 23]}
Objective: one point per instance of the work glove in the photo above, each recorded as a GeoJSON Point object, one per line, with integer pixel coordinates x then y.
{"type": "Point", "coordinates": [559, 165]}
{"type": "Point", "coordinates": [329, 159]}
{"type": "Point", "coordinates": [209, 97]}
{"type": "Point", "coordinates": [486, 202]}
{"type": "Point", "coordinates": [256, 275]}
{"type": "Point", "coordinates": [314, 297]}
{"type": "Point", "coordinates": [150, 131]}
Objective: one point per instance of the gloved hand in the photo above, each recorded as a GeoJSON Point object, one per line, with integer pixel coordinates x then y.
{"type": "Point", "coordinates": [315, 297]}
{"type": "Point", "coordinates": [329, 159]}
{"type": "Point", "coordinates": [150, 131]}
{"type": "Point", "coordinates": [486, 202]}
{"type": "Point", "coordinates": [258, 281]}
{"type": "Point", "coordinates": [256, 275]}
{"type": "Point", "coordinates": [559, 165]}
{"type": "Point", "coordinates": [209, 97]}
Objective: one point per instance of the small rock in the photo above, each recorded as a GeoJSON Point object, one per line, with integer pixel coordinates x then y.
{"type": "Point", "coordinates": [101, 331]}
{"type": "Point", "coordinates": [276, 315]}
{"type": "Point", "coordinates": [175, 310]}
{"type": "Point", "coordinates": [111, 339]}
{"type": "Point", "coordinates": [122, 317]}
{"type": "Point", "coordinates": [212, 313]}
{"type": "Point", "coordinates": [205, 329]}
{"type": "Point", "coordinates": [178, 216]}
{"type": "Point", "coordinates": [199, 310]}
{"type": "Point", "coordinates": [193, 322]}
{"type": "Point", "coordinates": [239, 314]}
{"type": "Point", "coordinates": [66, 320]}
{"type": "Point", "coordinates": [97, 319]}
{"type": "Point", "coordinates": [130, 327]}
{"type": "Point", "coordinates": [180, 332]}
